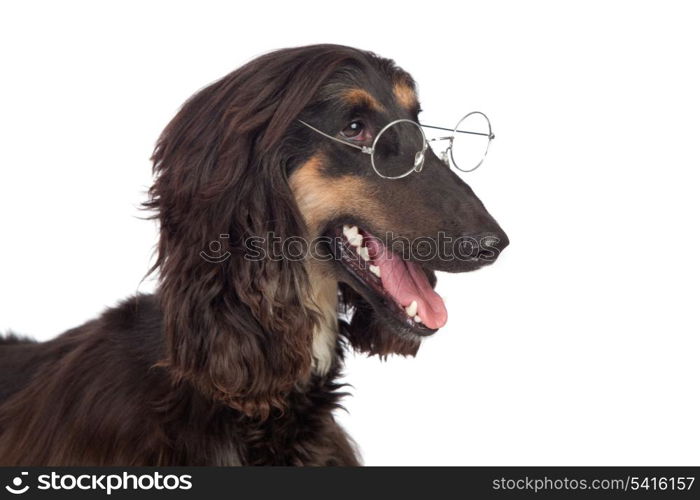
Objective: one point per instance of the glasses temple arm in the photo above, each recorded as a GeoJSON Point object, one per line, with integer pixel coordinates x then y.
{"type": "Point", "coordinates": [490, 136]}
{"type": "Point", "coordinates": [364, 149]}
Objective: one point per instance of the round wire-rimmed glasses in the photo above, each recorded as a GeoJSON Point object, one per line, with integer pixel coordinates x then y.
{"type": "Point", "coordinates": [411, 151]}
{"type": "Point", "coordinates": [467, 152]}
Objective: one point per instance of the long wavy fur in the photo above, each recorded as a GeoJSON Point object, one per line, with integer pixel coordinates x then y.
{"type": "Point", "coordinates": [240, 329]}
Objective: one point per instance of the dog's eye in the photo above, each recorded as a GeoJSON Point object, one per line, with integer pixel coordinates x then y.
{"type": "Point", "coordinates": [355, 130]}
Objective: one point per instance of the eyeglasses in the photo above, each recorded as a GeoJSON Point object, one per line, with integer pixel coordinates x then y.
{"type": "Point", "coordinates": [399, 148]}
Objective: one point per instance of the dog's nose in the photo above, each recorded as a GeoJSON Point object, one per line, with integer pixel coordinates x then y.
{"type": "Point", "coordinates": [491, 244]}
{"type": "Point", "coordinates": [497, 240]}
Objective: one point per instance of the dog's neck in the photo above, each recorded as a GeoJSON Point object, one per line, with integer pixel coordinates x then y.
{"type": "Point", "coordinates": [325, 302]}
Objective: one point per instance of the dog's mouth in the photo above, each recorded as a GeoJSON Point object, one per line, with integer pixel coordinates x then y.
{"type": "Point", "coordinates": [400, 287]}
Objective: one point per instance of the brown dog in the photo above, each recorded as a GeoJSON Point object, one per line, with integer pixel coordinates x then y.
{"type": "Point", "coordinates": [234, 359]}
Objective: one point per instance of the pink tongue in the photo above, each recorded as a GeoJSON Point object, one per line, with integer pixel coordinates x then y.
{"type": "Point", "coordinates": [406, 282]}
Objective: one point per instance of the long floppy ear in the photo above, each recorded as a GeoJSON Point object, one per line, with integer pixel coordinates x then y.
{"type": "Point", "coordinates": [239, 329]}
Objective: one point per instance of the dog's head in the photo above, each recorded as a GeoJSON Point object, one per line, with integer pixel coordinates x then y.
{"type": "Point", "coordinates": [306, 228]}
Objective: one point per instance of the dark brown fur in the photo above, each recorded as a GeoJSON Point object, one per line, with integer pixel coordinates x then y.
{"type": "Point", "coordinates": [216, 368]}
{"type": "Point", "coordinates": [93, 396]}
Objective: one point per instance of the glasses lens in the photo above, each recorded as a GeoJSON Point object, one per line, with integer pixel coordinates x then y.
{"type": "Point", "coordinates": [471, 141]}
{"type": "Point", "coordinates": [399, 150]}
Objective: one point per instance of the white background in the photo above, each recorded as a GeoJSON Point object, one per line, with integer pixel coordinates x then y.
{"type": "Point", "coordinates": [580, 346]}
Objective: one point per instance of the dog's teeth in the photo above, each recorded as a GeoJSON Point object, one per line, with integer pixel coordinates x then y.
{"type": "Point", "coordinates": [412, 308]}
{"type": "Point", "coordinates": [417, 319]}
{"type": "Point", "coordinates": [350, 233]}
{"type": "Point", "coordinates": [375, 270]}
{"type": "Point", "coordinates": [356, 241]}
{"type": "Point", "coordinates": [364, 253]}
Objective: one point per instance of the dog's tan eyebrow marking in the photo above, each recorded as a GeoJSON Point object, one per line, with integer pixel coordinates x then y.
{"type": "Point", "coordinates": [405, 96]}
{"type": "Point", "coordinates": [320, 197]}
{"type": "Point", "coordinates": [360, 97]}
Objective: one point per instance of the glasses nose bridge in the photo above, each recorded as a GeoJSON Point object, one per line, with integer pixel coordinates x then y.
{"type": "Point", "coordinates": [442, 151]}
{"type": "Point", "coordinates": [448, 138]}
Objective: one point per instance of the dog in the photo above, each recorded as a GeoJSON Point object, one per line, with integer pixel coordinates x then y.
{"type": "Point", "coordinates": [235, 360]}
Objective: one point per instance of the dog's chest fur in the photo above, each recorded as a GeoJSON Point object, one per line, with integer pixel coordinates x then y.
{"type": "Point", "coordinates": [325, 303]}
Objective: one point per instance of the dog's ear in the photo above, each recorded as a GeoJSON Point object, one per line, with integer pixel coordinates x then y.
{"type": "Point", "coordinates": [238, 326]}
